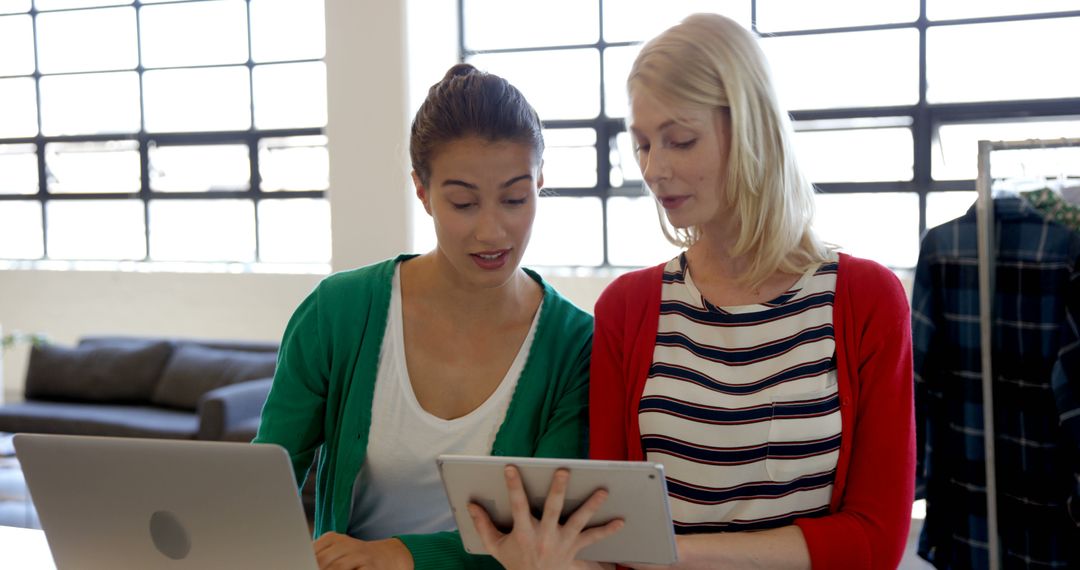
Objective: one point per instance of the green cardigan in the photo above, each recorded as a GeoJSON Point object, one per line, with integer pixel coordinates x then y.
{"type": "Point", "coordinates": [325, 382]}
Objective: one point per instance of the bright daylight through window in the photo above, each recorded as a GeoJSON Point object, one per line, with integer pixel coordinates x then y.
{"type": "Point", "coordinates": [163, 131]}
{"type": "Point", "coordinates": [173, 131]}
{"type": "Point", "coordinates": [888, 105]}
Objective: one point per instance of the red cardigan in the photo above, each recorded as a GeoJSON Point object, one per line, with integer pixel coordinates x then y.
{"type": "Point", "coordinates": [875, 474]}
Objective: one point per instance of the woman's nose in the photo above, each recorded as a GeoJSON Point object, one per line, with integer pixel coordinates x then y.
{"type": "Point", "coordinates": [489, 226]}
{"type": "Point", "coordinates": [655, 167]}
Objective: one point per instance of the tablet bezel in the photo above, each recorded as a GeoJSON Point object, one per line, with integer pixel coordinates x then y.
{"type": "Point", "coordinates": [637, 493]}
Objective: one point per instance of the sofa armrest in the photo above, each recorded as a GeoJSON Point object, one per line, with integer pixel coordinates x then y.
{"type": "Point", "coordinates": [224, 408]}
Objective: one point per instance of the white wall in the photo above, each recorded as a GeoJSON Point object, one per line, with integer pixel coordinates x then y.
{"type": "Point", "coordinates": [372, 96]}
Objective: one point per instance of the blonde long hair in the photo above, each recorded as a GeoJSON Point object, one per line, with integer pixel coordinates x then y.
{"type": "Point", "coordinates": [710, 61]}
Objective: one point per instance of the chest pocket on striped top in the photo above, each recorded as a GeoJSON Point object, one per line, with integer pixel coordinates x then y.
{"type": "Point", "coordinates": [804, 438]}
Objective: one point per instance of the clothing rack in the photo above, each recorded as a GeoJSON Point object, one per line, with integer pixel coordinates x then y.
{"type": "Point", "coordinates": [984, 227]}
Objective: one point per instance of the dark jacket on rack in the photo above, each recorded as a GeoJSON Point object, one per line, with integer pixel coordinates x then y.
{"type": "Point", "coordinates": [1036, 287]}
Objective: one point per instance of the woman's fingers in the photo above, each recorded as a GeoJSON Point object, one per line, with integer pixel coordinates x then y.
{"type": "Point", "coordinates": [598, 533]}
{"type": "Point", "coordinates": [519, 502]}
{"type": "Point", "coordinates": [581, 517]}
{"type": "Point", "coordinates": [549, 520]}
{"type": "Point", "coordinates": [489, 535]}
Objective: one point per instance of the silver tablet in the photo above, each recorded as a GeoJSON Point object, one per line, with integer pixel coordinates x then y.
{"type": "Point", "coordinates": [637, 493]}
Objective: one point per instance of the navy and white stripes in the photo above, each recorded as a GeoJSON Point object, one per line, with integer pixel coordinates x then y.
{"type": "Point", "coordinates": [741, 404]}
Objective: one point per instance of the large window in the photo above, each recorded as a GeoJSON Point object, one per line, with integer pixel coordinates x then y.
{"type": "Point", "coordinates": [164, 131]}
{"type": "Point", "coordinates": [888, 101]}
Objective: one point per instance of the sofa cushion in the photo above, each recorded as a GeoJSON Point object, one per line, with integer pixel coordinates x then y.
{"type": "Point", "coordinates": [118, 373]}
{"type": "Point", "coordinates": [83, 418]}
{"type": "Point", "coordinates": [194, 370]}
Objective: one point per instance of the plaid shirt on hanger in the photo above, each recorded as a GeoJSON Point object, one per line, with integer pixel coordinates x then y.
{"type": "Point", "coordinates": [1037, 286]}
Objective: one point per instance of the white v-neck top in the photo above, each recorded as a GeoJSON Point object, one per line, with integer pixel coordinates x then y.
{"type": "Point", "coordinates": [398, 490]}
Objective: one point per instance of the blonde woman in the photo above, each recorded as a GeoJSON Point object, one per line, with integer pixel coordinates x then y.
{"type": "Point", "coordinates": [768, 373]}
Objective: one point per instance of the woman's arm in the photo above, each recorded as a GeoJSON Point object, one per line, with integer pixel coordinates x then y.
{"type": "Point", "coordinates": [608, 381]}
{"type": "Point", "coordinates": [293, 414]}
{"type": "Point", "coordinates": [870, 525]}
{"type": "Point", "coordinates": [775, 549]}
{"type": "Point", "coordinates": [565, 432]}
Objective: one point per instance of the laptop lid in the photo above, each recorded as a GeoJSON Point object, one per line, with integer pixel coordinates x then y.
{"type": "Point", "coordinates": [108, 503]}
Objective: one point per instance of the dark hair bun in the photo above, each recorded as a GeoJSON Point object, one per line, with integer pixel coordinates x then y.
{"type": "Point", "coordinates": [460, 69]}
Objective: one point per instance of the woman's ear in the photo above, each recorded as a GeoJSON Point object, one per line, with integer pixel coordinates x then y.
{"type": "Point", "coordinates": [422, 192]}
{"type": "Point", "coordinates": [540, 177]}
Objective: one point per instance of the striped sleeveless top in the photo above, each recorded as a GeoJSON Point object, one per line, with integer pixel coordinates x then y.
{"type": "Point", "coordinates": [741, 404]}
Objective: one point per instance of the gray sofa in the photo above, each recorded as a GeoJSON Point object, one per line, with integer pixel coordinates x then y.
{"type": "Point", "coordinates": [144, 387]}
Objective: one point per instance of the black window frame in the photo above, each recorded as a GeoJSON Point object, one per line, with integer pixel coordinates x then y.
{"type": "Point", "coordinates": [925, 117]}
{"type": "Point", "coordinates": [250, 137]}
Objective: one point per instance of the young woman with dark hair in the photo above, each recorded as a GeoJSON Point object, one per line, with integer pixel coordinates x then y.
{"type": "Point", "coordinates": [458, 350]}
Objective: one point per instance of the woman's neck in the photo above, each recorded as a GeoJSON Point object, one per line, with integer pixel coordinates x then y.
{"type": "Point", "coordinates": [719, 275]}
{"type": "Point", "coordinates": [429, 277]}
{"type": "Point", "coordinates": [711, 254]}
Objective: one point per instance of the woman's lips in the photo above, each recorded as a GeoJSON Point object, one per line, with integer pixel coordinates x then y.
{"type": "Point", "coordinates": [491, 260]}
{"type": "Point", "coordinates": [672, 202]}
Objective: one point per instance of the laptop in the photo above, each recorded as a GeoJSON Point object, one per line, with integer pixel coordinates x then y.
{"type": "Point", "coordinates": [109, 503]}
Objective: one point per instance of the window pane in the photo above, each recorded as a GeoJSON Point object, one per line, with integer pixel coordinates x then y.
{"type": "Point", "coordinates": [87, 40]}
{"type": "Point", "coordinates": [569, 158]}
{"type": "Point", "coordinates": [954, 9]}
{"type": "Point", "coordinates": [957, 146]}
{"type": "Point", "coordinates": [294, 163]}
{"type": "Point", "coordinates": [92, 167]}
{"type": "Point", "coordinates": [18, 169]}
{"type": "Point", "coordinates": [199, 168]}
{"type": "Point", "coordinates": [202, 230]}
{"type": "Point", "coordinates": [68, 4]}
{"type": "Point", "coordinates": [495, 24]}
{"type": "Point", "coordinates": [18, 107]}
{"type": "Point", "coordinates": [17, 45]}
{"type": "Point", "coordinates": [14, 6]}
{"type": "Point", "coordinates": [624, 166]}
{"type": "Point", "coordinates": [1034, 169]}
{"type": "Point", "coordinates": [634, 234]}
{"type": "Point", "coordinates": [423, 229]}
{"type": "Point", "coordinates": [944, 206]}
{"type": "Point", "coordinates": [290, 95]}
{"type": "Point", "coordinates": [856, 155]}
{"type": "Point", "coordinates": [182, 100]}
{"type": "Point", "coordinates": [995, 62]}
{"type": "Point", "coordinates": [879, 226]}
{"type": "Point", "coordinates": [20, 230]}
{"type": "Point", "coordinates": [96, 229]}
{"type": "Point", "coordinates": [861, 69]}
{"type": "Point", "coordinates": [294, 231]}
{"type": "Point", "coordinates": [782, 15]}
{"type": "Point", "coordinates": [639, 20]}
{"type": "Point", "coordinates": [531, 72]}
{"type": "Point", "coordinates": [568, 231]}
{"type": "Point", "coordinates": [194, 33]}
{"type": "Point", "coordinates": [90, 104]}
{"type": "Point", "coordinates": [617, 64]}
{"type": "Point", "coordinates": [285, 29]}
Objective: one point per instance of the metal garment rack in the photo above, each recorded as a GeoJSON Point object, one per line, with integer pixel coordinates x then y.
{"type": "Point", "coordinates": [984, 227]}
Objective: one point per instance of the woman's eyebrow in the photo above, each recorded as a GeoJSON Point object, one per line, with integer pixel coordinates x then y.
{"type": "Point", "coordinates": [471, 186]}
{"type": "Point", "coordinates": [456, 182]}
{"type": "Point", "coordinates": [516, 179]}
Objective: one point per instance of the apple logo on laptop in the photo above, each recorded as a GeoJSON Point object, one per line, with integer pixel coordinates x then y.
{"type": "Point", "coordinates": [170, 537]}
